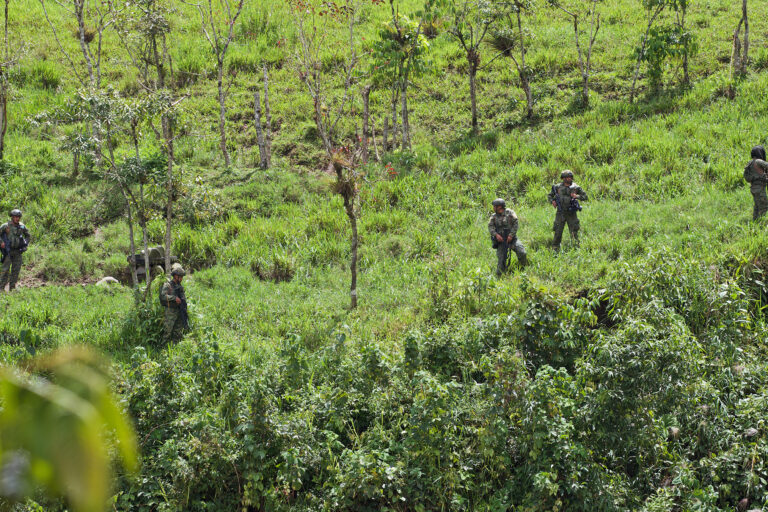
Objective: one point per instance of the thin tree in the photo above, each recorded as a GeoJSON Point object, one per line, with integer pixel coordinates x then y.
{"type": "Point", "coordinates": [143, 28]}
{"type": "Point", "coordinates": [398, 55]}
{"type": "Point", "coordinates": [92, 18]}
{"type": "Point", "coordinates": [513, 37]}
{"type": "Point", "coordinates": [585, 61]}
{"type": "Point", "coordinates": [10, 59]}
{"type": "Point", "coordinates": [470, 24]}
{"type": "Point", "coordinates": [315, 21]}
{"type": "Point", "coordinates": [218, 25]}
{"type": "Point", "coordinates": [653, 9]}
{"type": "Point", "coordinates": [347, 186]}
{"type": "Point", "coordinates": [740, 54]}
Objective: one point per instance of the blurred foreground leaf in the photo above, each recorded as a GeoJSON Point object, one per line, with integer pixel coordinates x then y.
{"type": "Point", "coordinates": [58, 423]}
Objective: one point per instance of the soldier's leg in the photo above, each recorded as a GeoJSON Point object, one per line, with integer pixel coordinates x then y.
{"type": "Point", "coordinates": [4, 272]}
{"type": "Point", "coordinates": [501, 259]}
{"type": "Point", "coordinates": [178, 330]}
{"type": "Point", "coordinates": [754, 206]}
{"type": "Point", "coordinates": [171, 315]}
{"type": "Point", "coordinates": [573, 227]}
{"type": "Point", "coordinates": [16, 261]}
{"type": "Point", "coordinates": [522, 257]}
{"type": "Point", "coordinates": [558, 229]}
{"type": "Point", "coordinates": [761, 204]}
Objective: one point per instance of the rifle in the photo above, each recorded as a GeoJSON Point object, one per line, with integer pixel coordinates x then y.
{"type": "Point", "coordinates": [574, 205]}
{"type": "Point", "coordinates": [183, 315]}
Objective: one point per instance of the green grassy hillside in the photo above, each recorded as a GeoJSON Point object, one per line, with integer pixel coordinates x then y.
{"type": "Point", "coordinates": [626, 374]}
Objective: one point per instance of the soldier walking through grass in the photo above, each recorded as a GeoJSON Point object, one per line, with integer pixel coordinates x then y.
{"type": "Point", "coordinates": [503, 230]}
{"type": "Point", "coordinates": [14, 240]}
{"type": "Point", "coordinates": [565, 197]}
{"type": "Point", "coordinates": [755, 174]}
{"type": "Point", "coordinates": [174, 300]}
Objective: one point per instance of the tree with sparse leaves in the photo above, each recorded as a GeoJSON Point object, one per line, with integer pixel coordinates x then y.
{"type": "Point", "coordinates": [470, 23]}
{"type": "Point", "coordinates": [217, 21]}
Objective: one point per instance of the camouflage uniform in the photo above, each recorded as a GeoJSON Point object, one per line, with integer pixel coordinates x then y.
{"type": "Point", "coordinates": [13, 261]}
{"type": "Point", "coordinates": [173, 328]}
{"type": "Point", "coordinates": [565, 215]}
{"type": "Point", "coordinates": [755, 174]}
{"type": "Point", "coordinates": [506, 224]}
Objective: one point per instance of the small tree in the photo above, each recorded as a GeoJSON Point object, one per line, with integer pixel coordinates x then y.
{"type": "Point", "coordinates": [315, 22]}
{"type": "Point", "coordinates": [740, 54]}
{"type": "Point", "coordinates": [92, 18]}
{"type": "Point", "coordinates": [347, 186]}
{"type": "Point", "coordinates": [398, 55]}
{"type": "Point", "coordinates": [662, 42]}
{"type": "Point", "coordinates": [471, 20]}
{"type": "Point", "coordinates": [511, 39]}
{"type": "Point", "coordinates": [10, 59]}
{"type": "Point", "coordinates": [218, 26]}
{"type": "Point", "coordinates": [575, 12]}
{"type": "Point", "coordinates": [143, 28]}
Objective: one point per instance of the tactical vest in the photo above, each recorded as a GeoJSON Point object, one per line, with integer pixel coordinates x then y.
{"type": "Point", "coordinates": [16, 236]}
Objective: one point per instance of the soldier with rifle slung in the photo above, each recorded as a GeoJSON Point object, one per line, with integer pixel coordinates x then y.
{"type": "Point", "coordinates": [503, 230]}
{"type": "Point", "coordinates": [755, 175]}
{"type": "Point", "coordinates": [14, 240]}
{"type": "Point", "coordinates": [174, 300]}
{"type": "Point", "coordinates": [565, 197]}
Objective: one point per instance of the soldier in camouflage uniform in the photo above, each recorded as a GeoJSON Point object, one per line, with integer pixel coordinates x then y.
{"type": "Point", "coordinates": [173, 298]}
{"type": "Point", "coordinates": [14, 239]}
{"type": "Point", "coordinates": [755, 174]}
{"type": "Point", "coordinates": [503, 230]}
{"type": "Point", "coordinates": [565, 197]}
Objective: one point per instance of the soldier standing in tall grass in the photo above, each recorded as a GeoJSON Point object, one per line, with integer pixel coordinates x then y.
{"type": "Point", "coordinates": [14, 240]}
{"type": "Point", "coordinates": [173, 298]}
{"type": "Point", "coordinates": [755, 175]}
{"type": "Point", "coordinates": [503, 230]}
{"type": "Point", "coordinates": [565, 197]}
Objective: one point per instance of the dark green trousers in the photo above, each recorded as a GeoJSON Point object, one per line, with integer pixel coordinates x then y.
{"type": "Point", "coordinates": [761, 204]}
{"type": "Point", "coordinates": [11, 266]}
{"type": "Point", "coordinates": [561, 219]}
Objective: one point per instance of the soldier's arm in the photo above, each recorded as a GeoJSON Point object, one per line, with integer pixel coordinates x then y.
{"type": "Point", "coordinates": [491, 227]}
{"type": "Point", "coordinates": [762, 170]}
{"type": "Point", "coordinates": [582, 195]}
{"type": "Point", "coordinates": [167, 294]}
{"type": "Point", "coordinates": [513, 225]}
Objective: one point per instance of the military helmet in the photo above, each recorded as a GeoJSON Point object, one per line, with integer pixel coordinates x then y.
{"type": "Point", "coordinates": [566, 174]}
{"type": "Point", "coordinates": [498, 202]}
{"type": "Point", "coordinates": [15, 212]}
{"type": "Point", "coordinates": [177, 270]}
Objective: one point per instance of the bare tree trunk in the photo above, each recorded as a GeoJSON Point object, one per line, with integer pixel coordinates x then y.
{"type": "Point", "coordinates": [222, 116]}
{"type": "Point", "coordinates": [745, 57]}
{"type": "Point", "coordinates": [736, 51]}
{"type": "Point", "coordinates": [3, 113]}
{"type": "Point", "coordinates": [75, 164]}
{"type": "Point", "coordinates": [264, 162]}
{"type": "Point", "coordinates": [366, 96]}
{"type": "Point", "coordinates": [385, 142]}
{"type": "Point", "coordinates": [373, 138]}
{"type": "Point", "coordinates": [168, 136]}
{"type": "Point", "coordinates": [353, 262]}
{"type": "Point", "coordinates": [473, 60]}
{"type": "Point", "coordinates": [523, 72]}
{"type": "Point", "coordinates": [268, 119]}
{"type": "Point", "coordinates": [4, 87]}
{"type": "Point", "coordinates": [145, 237]}
{"type": "Point", "coordinates": [406, 142]}
{"type": "Point", "coordinates": [132, 243]}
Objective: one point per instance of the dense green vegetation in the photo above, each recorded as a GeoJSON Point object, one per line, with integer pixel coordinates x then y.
{"type": "Point", "coordinates": [627, 374]}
